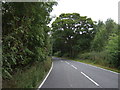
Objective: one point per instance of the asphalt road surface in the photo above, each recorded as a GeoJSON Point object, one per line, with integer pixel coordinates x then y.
{"type": "Point", "coordinates": [73, 74]}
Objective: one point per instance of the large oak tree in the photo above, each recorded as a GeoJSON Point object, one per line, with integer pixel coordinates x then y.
{"type": "Point", "coordinates": [72, 33]}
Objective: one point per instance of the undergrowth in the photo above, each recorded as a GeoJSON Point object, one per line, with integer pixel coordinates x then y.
{"type": "Point", "coordinates": [28, 77]}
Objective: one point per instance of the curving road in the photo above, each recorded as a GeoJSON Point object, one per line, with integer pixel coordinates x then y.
{"type": "Point", "coordinates": [73, 74]}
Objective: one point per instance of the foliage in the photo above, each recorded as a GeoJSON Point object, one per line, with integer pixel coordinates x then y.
{"type": "Point", "coordinates": [25, 34]}
{"type": "Point", "coordinates": [29, 77]}
{"type": "Point", "coordinates": [95, 57]}
{"type": "Point", "coordinates": [105, 45]}
{"type": "Point", "coordinates": [72, 33]}
{"type": "Point", "coordinates": [102, 34]}
{"type": "Point", "coordinates": [112, 50]}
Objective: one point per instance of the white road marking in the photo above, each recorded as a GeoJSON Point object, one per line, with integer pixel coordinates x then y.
{"type": "Point", "coordinates": [46, 76]}
{"type": "Point", "coordinates": [104, 69]}
{"type": "Point", "coordinates": [90, 79]}
{"type": "Point", "coordinates": [61, 61]}
{"type": "Point", "coordinates": [73, 66]}
{"type": "Point", "coordinates": [97, 67]}
{"type": "Point", "coordinates": [67, 62]}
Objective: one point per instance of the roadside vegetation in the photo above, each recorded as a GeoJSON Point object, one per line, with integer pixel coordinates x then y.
{"type": "Point", "coordinates": [29, 76]}
{"type": "Point", "coordinates": [26, 48]}
{"type": "Point", "coordinates": [91, 62]}
{"type": "Point", "coordinates": [79, 37]}
{"type": "Point", "coordinates": [28, 43]}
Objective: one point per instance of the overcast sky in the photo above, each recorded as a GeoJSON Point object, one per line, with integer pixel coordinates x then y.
{"type": "Point", "coordinates": [95, 9]}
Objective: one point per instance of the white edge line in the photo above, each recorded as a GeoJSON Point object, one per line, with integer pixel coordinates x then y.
{"type": "Point", "coordinates": [90, 79]}
{"type": "Point", "coordinates": [98, 67]}
{"type": "Point", "coordinates": [46, 76]}
{"type": "Point", "coordinates": [103, 69]}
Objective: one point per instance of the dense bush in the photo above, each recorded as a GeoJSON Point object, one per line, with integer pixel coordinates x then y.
{"type": "Point", "coordinates": [78, 36]}
{"type": "Point", "coordinates": [112, 50]}
{"type": "Point", "coordinates": [105, 45]}
{"type": "Point", "coordinates": [95, 57]}
{"type": "Point", "coordinates": [25, 34]}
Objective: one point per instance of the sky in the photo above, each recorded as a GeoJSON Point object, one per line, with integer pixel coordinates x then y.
{"type": "Point", "coordinates": [95, 9]}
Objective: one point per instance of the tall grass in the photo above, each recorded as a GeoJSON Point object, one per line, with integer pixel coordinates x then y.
{"type": "Point", "coordinates": [29, 77]}
{"type": "Point", "coordinates": [101, 58]}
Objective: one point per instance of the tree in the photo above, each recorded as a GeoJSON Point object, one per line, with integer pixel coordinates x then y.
{"type": "Point", "coordinates": [102, 34]}
{"type": "Point", "coordinates": [113, 51]}
{"type": "Point", "coordinates": [72, 33]}
{"type": "Point", "coordinates": [25, 34]}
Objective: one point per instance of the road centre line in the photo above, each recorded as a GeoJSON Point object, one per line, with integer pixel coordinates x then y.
{"type": "Point", "coordinates": [73, 66]}
{"type": "Point", "coordinates": [90, 79]}
{"type": "Point", "coordinates": [67, 62]}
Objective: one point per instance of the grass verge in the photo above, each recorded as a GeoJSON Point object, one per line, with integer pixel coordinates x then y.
{"type": "Point", "coordinates": [86, 61]}
{"type": "Point", "coordinates": [29, 77]}
{"type": "Point", "coordinates": [98, 65]}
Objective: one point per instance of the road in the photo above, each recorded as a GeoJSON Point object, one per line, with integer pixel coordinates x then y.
{"type": "Point", "coordinates": [73, 74]}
